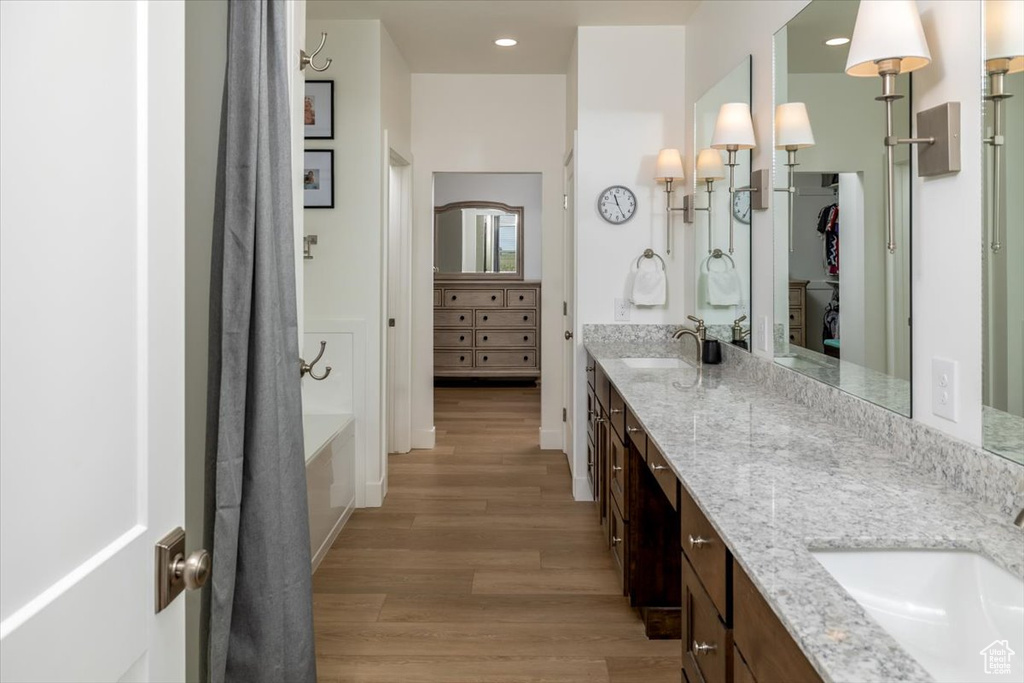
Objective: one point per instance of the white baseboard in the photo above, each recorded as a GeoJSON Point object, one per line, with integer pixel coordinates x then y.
{"type": "Point", "coordinates": [581, 488]}
{"type": "Point", "coordinates": [318, 557]}
{"type": "Point", "coordinates": [551, 439]}
{"type": "Point", "coordinates": [375, 491]}
{"type": "Point", "coordinates": [423, 438]}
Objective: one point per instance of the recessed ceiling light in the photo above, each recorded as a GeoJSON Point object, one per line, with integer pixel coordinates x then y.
{"type": "Point", "coordinates": [833, 42]}
{"type": "Point", "coordinates": [505, 42]}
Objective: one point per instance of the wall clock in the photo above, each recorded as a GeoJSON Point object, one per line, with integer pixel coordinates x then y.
{"type": "Point", "coordinates": [741, 206]}
{"type": "Point", "coordinates": [617, 204]}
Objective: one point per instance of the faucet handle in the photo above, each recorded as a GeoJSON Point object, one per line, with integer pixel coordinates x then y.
{"type": "Point", "coordinates": [699, 321]}
{"type": "Point", "coordinates": [739, 319]}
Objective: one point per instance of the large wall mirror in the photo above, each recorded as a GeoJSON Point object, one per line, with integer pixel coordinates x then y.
{"type": "Point", "coordinates": [842, 300]}
{"type": "Point", "coordinates": [1003, 238]}
{"type": "Point", "coordinates": [722, 220]}
{"type": "Point", "coordinates": [478, 239]}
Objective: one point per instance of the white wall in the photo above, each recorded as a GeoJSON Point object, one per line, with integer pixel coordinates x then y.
{"type": "Point", "coordinates": [456, 127]}
{"type": "Point", "coordinates": [514, 189]}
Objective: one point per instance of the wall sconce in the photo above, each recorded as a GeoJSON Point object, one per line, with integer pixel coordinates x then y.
{"type": "Point", "coordinates": [1004, 41]}
{"type": "Point", "coordinates": [734, 131]}
{"type": "Point", "coordinates": [668, 170]}
{"type": "Point", "coordinates": [792, 132]}
{"type": "Point", "coordinates": [888, 40]}
{"type": "Point", "coordinates": [709, 169]}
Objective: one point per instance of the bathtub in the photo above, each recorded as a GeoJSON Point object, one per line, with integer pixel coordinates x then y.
{"type": "Point", "coordinates": [330, 444]}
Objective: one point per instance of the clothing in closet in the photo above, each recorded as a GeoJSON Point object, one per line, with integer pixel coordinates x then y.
{"type": "Point", "coordinates": [828, 226]}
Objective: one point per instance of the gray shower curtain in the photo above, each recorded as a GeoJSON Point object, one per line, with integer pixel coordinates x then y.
{"type": "Point", "coordinates": [261, 615]}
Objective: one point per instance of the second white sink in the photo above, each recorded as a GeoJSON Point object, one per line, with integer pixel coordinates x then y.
{"type": "Point", "coordinates": [653, 363]}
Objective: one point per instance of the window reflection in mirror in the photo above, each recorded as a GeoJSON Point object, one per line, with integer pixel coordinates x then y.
{"type": "Point", "coordinates": [477, 238]}
{"type": "Point", "coordinates": [1003, 237]}
{"type": "Point", "coordinates": [842, 301]}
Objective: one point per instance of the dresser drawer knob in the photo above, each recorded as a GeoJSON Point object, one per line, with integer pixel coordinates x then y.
{"type": "Point", "coordinates": [494, 297]}
{"type": "Point", "coordinates": [485, 337]}
{"type": "Point", "coordinates": [526, 337]}
{"type": "Point", "coordinates": [462, 337]}
{"type": "Point", "coordinates": [521, 297]}
{"type": "Point", "coordinates": [698, 542]}
{"type": "Point", "coordinates": [485, 317]}
{"type": "Point", "coordinates": [454, 297]}
{"type": "Point", "coordinates": [526, 358]}
{"type": "Point", "coordinates": [461, 318]}
{"type": "Point", "coordinates": [703, 648]}
{"type": "Point", "coordinates": [485, 359]}
{"type": "Point", "coordinates": [462, 358]}
{"type": "Point", "coordinates": [526, 317]}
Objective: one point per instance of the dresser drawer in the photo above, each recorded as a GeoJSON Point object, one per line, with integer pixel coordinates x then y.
{"type": "Point", "coordinates": [796, 336]}
{"type": "Point", "coordinates": [452, 359]}
{"type": "Point", "coordinates": [618, 466]}
{"type": "Point", "coordinates": [476, 298]}
{"type": "Point", "coordinates": [707, 643]}
{"type": "Point", "coordinates": [617, 412]}
{"type": "Point", "coordinates": [636, 434]}
{"type": "Point", "coordinates": [521, 318]}
{"type": "Point", "coordinates": [796, 316]}
{"type": "Point", "coordinates": [796, 296]}
{"type": "Point", "coordinates": [619, 543]}
{"type": "Point", "coordinates": [450, 317]}
{"type": "Point", "coordinates": [522, 298]}
{"type": "Point", "coordinates": [525, 338]}
{"type": "Point", "coordinates": [453, 340]}
{"type": "Point", "coordinates": [506, 359]}
{"type": "Point", "coordinates": [664, 475]}
{"type": "Point", "coordinates": [437, 297]}
{"type": "Point", "coordinates": [769, 651]}
{"type": "Point", "coordinates": [707, 554]}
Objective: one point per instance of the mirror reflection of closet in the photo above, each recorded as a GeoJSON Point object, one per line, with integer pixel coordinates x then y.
{"type": "Point", "coordinates": [722, 234]}
{"type": "Point", "coordinates": [842, 301]}
{"type": "Point", "coordinates": [1003, 237]}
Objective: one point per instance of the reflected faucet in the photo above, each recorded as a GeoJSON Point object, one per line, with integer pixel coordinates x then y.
{"type": "Point", "coordinates": [698, 337]}
{"type": "Point", "coordinates": [1019, 521]}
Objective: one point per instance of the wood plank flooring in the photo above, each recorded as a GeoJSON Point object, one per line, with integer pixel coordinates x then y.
{"type": "Point", "coordinates": [480, 566]}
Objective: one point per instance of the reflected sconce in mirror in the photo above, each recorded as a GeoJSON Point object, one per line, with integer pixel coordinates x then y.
{"type": "Point", "coordinates": [792, 132]}
{"type": "Point", "coordinates": [668, 170]}
{"type": "Point", "coordinates": [1004, 41]}
{"type": "Point", "coordinates": [734, 131]}
{"type": "Point", "coordinates": [709, 169]}
{"type": "Point", "coordinates": [888, 40]}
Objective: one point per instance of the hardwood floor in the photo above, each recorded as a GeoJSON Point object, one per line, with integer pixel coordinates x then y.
{"type": "Point", "coordinates": [479, 566]}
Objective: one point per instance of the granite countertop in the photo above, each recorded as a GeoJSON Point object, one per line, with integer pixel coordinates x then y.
{"type": "Point", "coordinates": [1003, 433]}
{"type": "Point", "coordinates": [776, 479]}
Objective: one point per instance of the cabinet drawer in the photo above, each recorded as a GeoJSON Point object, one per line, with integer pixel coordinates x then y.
{"type": "Point", "coordinates": [592, 467]}
{"type": "Point", "coordinates": [796, 336]}
{"type": "Point", "coordinates": [618, 466]}
{"type": "Point", "coordinates": [741, 673]}
{"type": "Point", "coordinates": [521, 318]}
{"type": "Point", "coordinates": [593, 412]}
{"type": "Point", "coordinates": [476, 298]}
{"type": "Point", "coordinates": [635, 433]}
{"type": "Point", "coordinates": [453, 340]}
{"type": "Point", "coordinates": [664, 475]}
{"type": "Point", "coordinates": [506, 359]}
{"type": "Point", "coordinates": [591, 368]}
{"type": "Point", "coordinates": [522, 298]}
{"type": "Point", "coordinates": [767, 647]}
{"type": "Point", "coordinates": [437, 297]}
{"type": "Point", "coordinates": [602, 387]}
{"type": "Point", "coordinates": [452, 359]}
{"type": "Point", "coordinates": [707, 643]}
{"type": "Point", "coordinates": [707, 554]}
{"type": "Point", "coordinates": [450, 317]}
{"type": "Point", "coordinates": [617, 412]}
{"type": "Point", "coordinates": [620, 543]}
{"type": "Point", "coordinates": [525, 338]}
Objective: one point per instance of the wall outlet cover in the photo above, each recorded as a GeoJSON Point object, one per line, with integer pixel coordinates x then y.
{"type": "Point", "coordinates": [945, 389]}
{"type": "Point", "coordinates": [762, 334]}
{"type": "Point", "coordinates": [621, 311]}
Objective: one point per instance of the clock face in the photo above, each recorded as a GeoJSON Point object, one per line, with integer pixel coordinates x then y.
{"type": "Point", "coordinates": [617, 204]}
{"type": "Point", "coordinates": [741, 207]}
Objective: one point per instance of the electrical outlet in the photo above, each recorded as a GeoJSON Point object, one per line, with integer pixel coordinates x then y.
{"type": "Point", "coordinates": [621, 311]}
{"type": "Point", "coordinates": [945, 388]}
{"type": "Point", "coordinates": [762, 334]}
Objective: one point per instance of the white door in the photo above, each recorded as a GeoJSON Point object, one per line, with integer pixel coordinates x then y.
{"type": "Point", "coordinates": [569, 308]}
{"type": "Point", "coordinates": [91, 337]}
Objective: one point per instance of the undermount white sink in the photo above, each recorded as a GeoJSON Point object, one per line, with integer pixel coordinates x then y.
{"type": "Point", "coordinates": [653, 363]}
{"type": "Point", "coordinates": [946, 608]}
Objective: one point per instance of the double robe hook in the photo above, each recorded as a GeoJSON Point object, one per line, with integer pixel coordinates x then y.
{"type": "Point", "coordinates": [305, 59]}
{"type": "Point", "coordinates": [307, 368]}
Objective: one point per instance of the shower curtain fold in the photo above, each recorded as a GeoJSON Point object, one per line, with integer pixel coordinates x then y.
{"type": "Point", "coordinates": [261, 623]}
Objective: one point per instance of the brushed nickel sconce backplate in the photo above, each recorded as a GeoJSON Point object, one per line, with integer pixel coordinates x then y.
{"type": "Point", "coordinates": [941, 124]}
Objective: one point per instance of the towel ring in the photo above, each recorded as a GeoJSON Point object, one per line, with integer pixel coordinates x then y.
{"type": "Point", "coordinates": [649, 253]}
{"type": "Point", "coordinates": [718, 253]}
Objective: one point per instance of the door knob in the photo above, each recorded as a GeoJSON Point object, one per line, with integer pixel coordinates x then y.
{"type": "Point", "coordinates": [175, 571]}
{"type": "Point", "coordinates": [568, 334]}
{"type": "Point", "coordinates": [194, 570]}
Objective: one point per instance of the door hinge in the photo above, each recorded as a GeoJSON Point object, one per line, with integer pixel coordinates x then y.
{"type": "Point", "coordinates": [565, 202]}
{"type": "Point", "coordinates": [565, 415]}
{"type": "Point", "coordinates": [565, 308]}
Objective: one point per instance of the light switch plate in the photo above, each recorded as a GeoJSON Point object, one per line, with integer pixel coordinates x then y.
{"type": "Point", "coordinates": [762, 333]}
{"type": "Point", "coordinates": [945, 388]}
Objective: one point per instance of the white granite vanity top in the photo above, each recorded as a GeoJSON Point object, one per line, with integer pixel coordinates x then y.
{"type": "Point", "coordinates": [775, 479]}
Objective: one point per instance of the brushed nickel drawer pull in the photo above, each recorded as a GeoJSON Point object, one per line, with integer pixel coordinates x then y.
{"type": "Point", "coordinates": [616, 540]}
{"type": "Point", "coordinates": [703, 648]}
{"type": "Point", "coordinates": [590, 368]}
{"type": "Point", "coordinates": [590, 414]}
{"type": "Point", "coordinates": [616, 411]}
{"type": "Point", "coordinates": [616, 468]}
{"type": "Point", "coordinates": [632, 430]}
{"type": "Point", "coordinates": [601, 420]}
{"type": "Point", "coordinates": [698, 542]}
{"type": "Point", "coordinates": [657, 468]}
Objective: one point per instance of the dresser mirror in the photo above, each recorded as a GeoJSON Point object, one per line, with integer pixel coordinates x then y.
{"type": "Point", "coordinates": [721, 219]}
{"type": "Point", "coordinates": [1003, 237]}
{"type": "Point", "coordinates": [842, 300]}
{"type": "Point", "coordinates": [478, 240]}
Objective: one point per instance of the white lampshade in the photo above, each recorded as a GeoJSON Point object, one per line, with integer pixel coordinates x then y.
{"type": "Point", "coordinates": [670, 165]}
{"type": "Point", "coordinates": [793, 126]}
{"type": "Point", "coordinates": [733, 127]}
{"type": "Point", "coordinates": [709, 165]}
{"type": "Point", "coordinates": [1004, 32]}
{"type": "Point", "coordinates": [887, 29]}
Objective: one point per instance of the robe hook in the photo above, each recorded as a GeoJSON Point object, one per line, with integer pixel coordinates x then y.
{"type": "Point", "coordinates": [305, 59]}
{"type": "Point", "coordinates": [307, 368]}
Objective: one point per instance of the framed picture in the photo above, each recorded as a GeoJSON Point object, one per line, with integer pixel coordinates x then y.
{"type": "Point", "coordinates": [318, 110]}
{"type": "Point", "coordinates": [318, 179]}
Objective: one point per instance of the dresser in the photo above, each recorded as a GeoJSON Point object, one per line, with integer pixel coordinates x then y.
{"type": "Point", "coordinates": [486, 328]}
{"type": "Point", "coordinates": [797, 311]}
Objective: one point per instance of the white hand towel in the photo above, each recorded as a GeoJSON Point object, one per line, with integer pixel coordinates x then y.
{"type": "Point", "coordinates": [723, 287]}
{"type": "Point", "coordinates": [649, 286]}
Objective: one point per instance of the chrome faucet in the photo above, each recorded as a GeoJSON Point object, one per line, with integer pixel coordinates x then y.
{"type": "Point", "coordinates": [698, 337]}
{"type": "Point", "coordinates": [1019, 521]}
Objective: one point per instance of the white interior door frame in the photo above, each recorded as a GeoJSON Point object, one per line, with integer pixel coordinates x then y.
{"type": "Point", "coordinates": [398, 221]}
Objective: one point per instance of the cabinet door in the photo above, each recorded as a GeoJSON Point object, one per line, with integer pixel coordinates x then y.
{"type": "Point", "coordinates": [618, 462]}
{"type": "Point", "coordinates": [707, 643]}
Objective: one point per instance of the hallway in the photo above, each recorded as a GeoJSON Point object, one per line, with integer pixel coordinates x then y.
{"type": "Point", "coordinates": [480, 566]}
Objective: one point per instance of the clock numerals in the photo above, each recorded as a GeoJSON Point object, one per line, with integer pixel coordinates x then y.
{"type": "Point", "coordinates": [617, 204]}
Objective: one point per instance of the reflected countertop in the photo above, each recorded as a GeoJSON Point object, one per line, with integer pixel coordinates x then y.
{"type": "Point", "coordinates": [776, 479]}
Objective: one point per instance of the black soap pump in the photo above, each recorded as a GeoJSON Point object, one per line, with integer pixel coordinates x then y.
{"type": "Point", "coordinates": [739, 335]}
{"type": "Point", "coordinates": [711, 352]}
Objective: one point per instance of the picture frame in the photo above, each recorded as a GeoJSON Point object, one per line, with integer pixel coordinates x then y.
{"type": "Point", "coordinates": [318, 179]}
{"type": "Point", "coordinates": [318, 110]}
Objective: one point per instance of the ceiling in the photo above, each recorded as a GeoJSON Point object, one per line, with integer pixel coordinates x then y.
{"type": "Point", "coordinates": [457, 36]}
{"type": "Point", "coordinates": [808, 31]}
